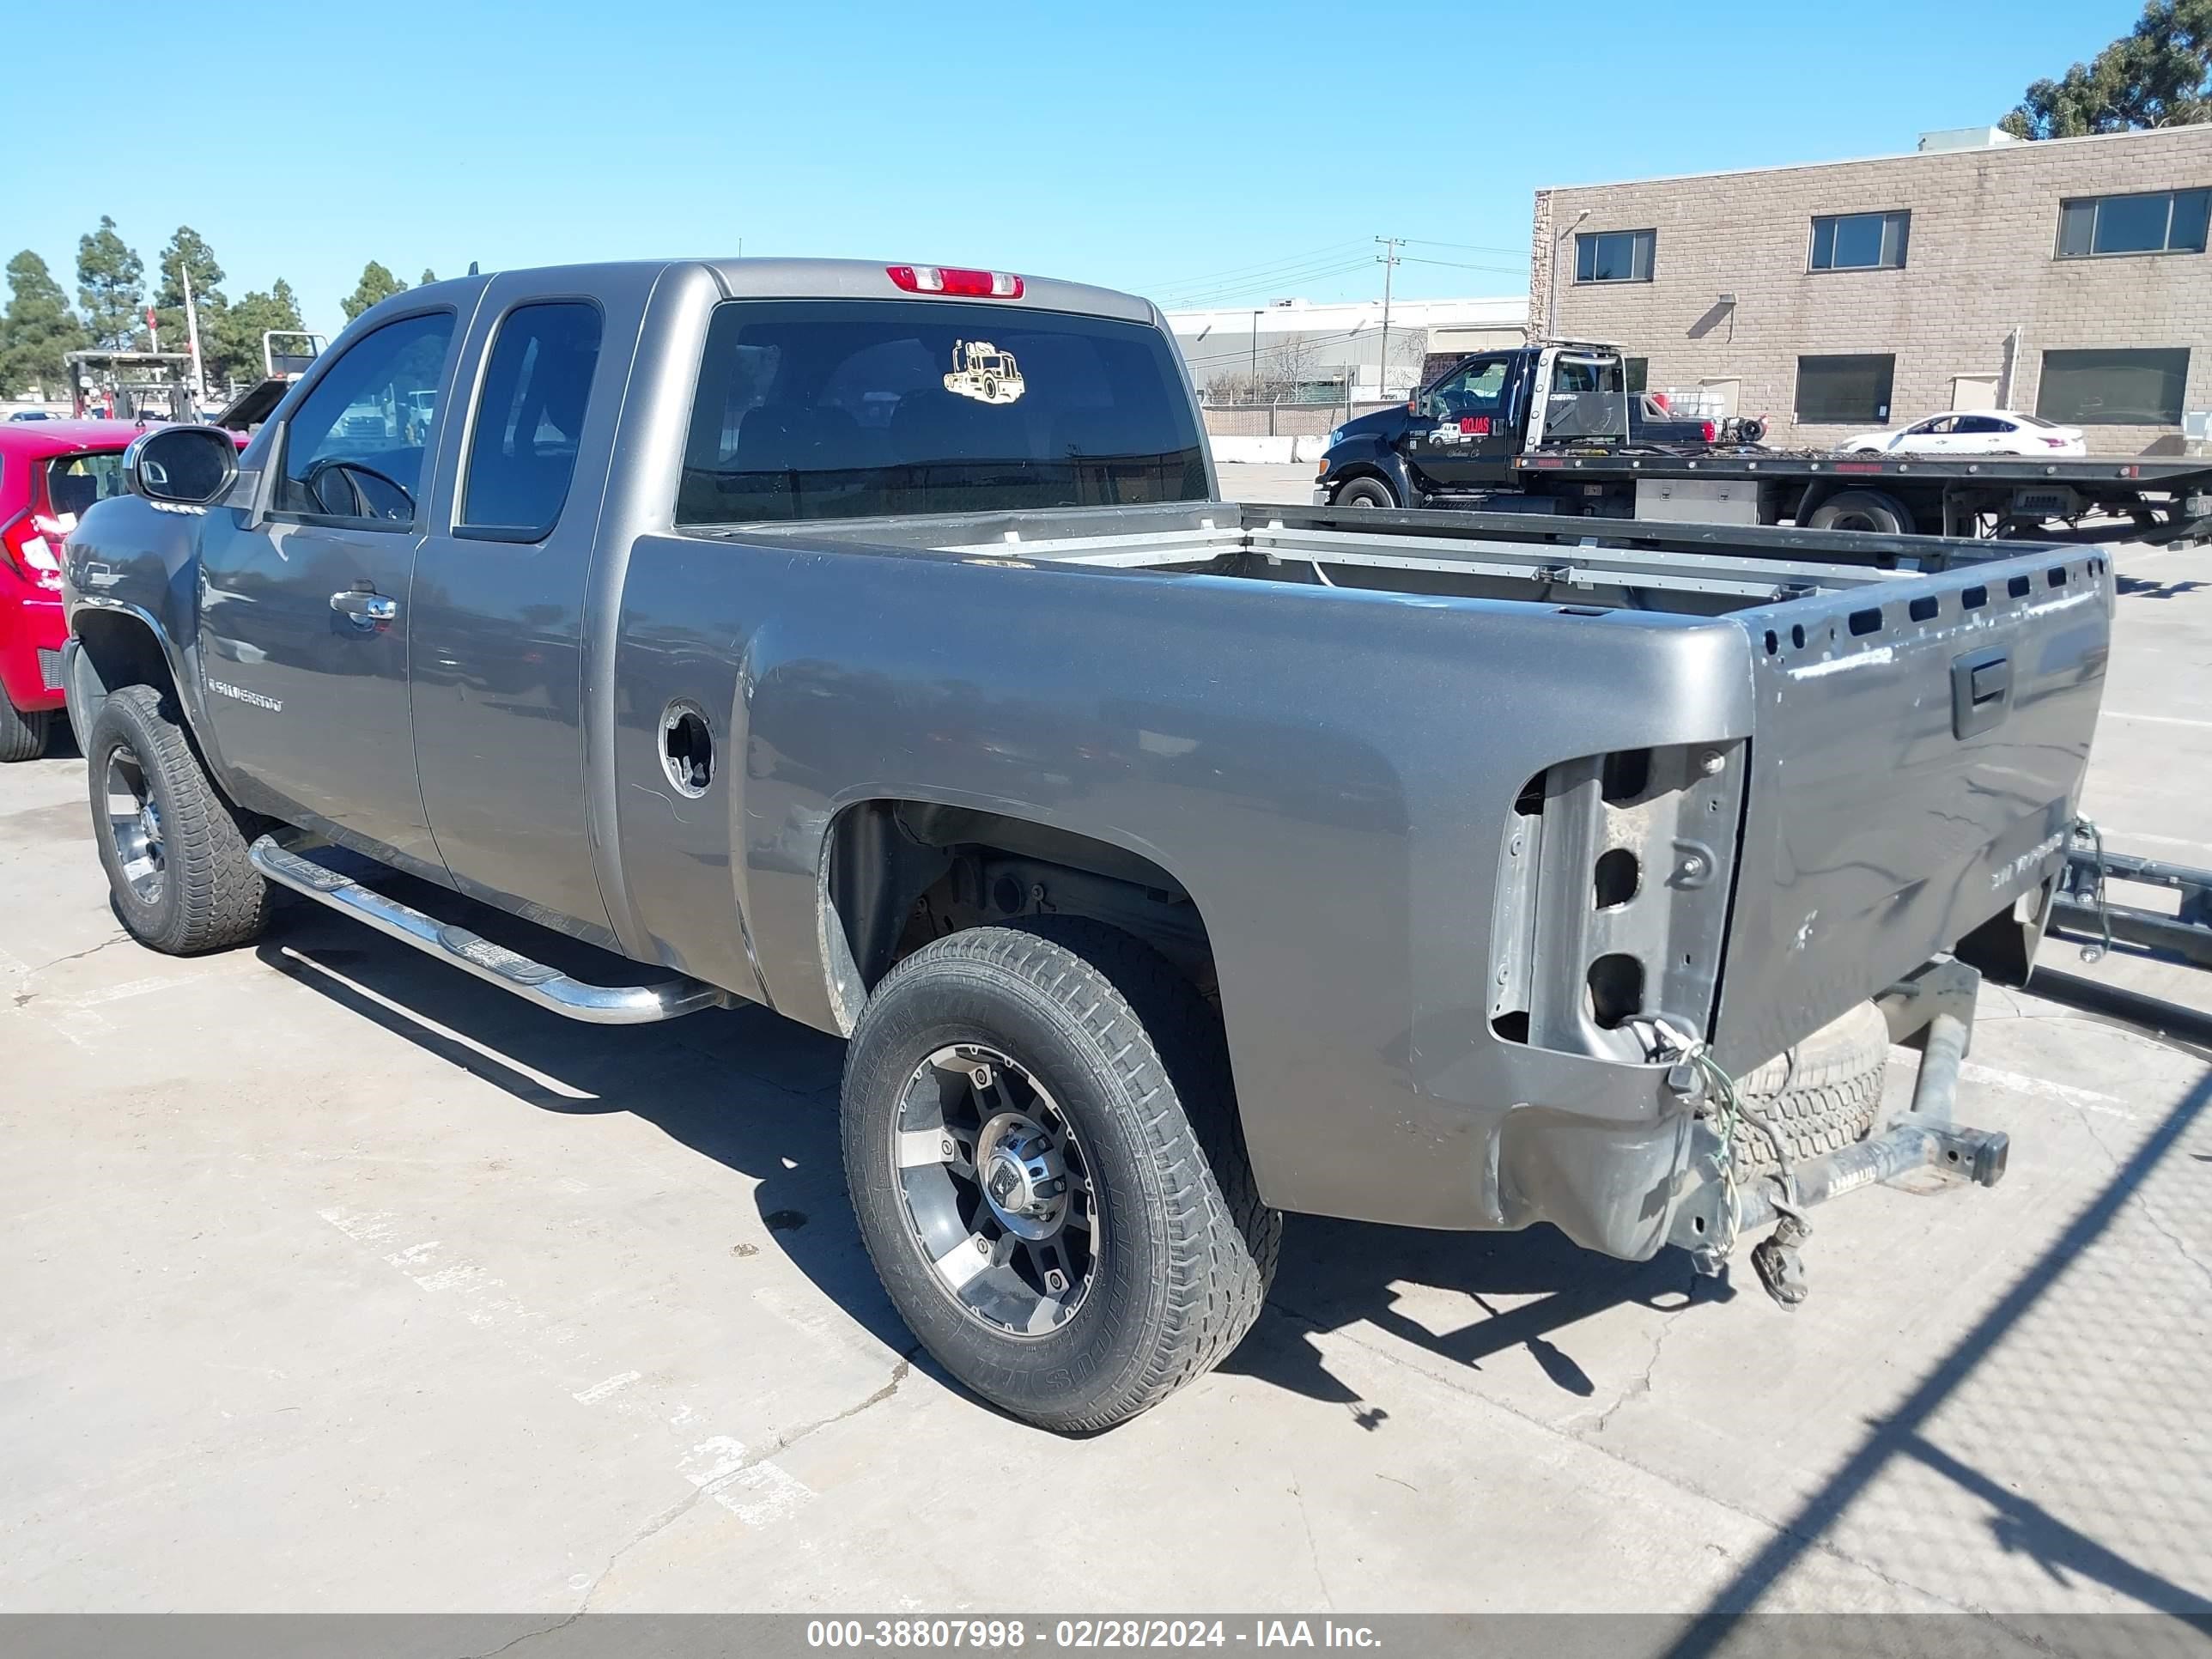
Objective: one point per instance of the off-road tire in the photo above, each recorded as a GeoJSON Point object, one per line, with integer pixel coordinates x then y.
{"type": "Point", "coordinates": [1821, 1096]}
{"type": "Point", "coordinates": [1136, 1061]}
{"type": "Point", "coordinates": [211, 896]}
{"type": "Point", "coordinates": [22, 736]}
{"type": "Point", "coordinates": [1366, 492]}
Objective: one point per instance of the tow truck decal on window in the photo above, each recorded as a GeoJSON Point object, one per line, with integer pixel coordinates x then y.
{"type": "Point", "coordinates": [981, 371]}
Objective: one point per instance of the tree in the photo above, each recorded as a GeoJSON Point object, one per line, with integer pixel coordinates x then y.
{"type": "Point", "coordinates": [187, 251]}
{"type": "Point", "coordinates": [428, 277]}
{"type": "Point", "coordinates": [108, 286]}
{"type": "Point", "coordinates": [36, 329]}
{"type": "Point", "coordinates": [233, 352]}
{"type": "Point", "coordinates": [2160, 75]}
{"type": "Point", "coordinates": [376, 283]}
{"type": "Point", "coordinates": [1288, 365]}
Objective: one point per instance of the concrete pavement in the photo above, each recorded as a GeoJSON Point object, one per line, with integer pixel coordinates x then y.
{"type": "Point", "coordinates": [337, 1280]}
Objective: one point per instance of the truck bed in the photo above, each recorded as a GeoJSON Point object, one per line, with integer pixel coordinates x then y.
{"type": "Point", "coordinates": [1890, 805]}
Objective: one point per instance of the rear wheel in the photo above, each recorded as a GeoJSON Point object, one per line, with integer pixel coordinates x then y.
{"type": "Point", "coordinates": [1043, 1148]}
{"type": "Point", "coordinates": [174, 850]}
{"type": "Point", "coordinates": [1862, 509]}
{"type": "Point", "coordinates": [1366, 492]}
{"type": "Point", "coordinates": [22, 736]}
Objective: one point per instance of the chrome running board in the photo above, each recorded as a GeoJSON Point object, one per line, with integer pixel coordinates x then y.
{"type": "Point", "coordinates": [533, 982]}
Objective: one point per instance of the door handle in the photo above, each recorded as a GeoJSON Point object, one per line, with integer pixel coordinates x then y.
{"type": "Point", "coordinates": [364, 607]}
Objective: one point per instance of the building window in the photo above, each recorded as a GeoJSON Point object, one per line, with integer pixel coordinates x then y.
{"type": "Point", "coordinates": [1861, 241]}
{"type": "Point", "coordinates": [1638, 370]}
{"type": "Point", "coordinates": [1614, 256]}
{"type": "Point", "coordinates": [2163, 222]}
{"type": "Point", "coordinates": [2113, 388]}
{"type": "Point", "coordinates": [1836, 391]}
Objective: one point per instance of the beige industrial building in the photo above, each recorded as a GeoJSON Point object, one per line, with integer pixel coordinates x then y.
{"type": "Point", "coordinates": [2066, 278]}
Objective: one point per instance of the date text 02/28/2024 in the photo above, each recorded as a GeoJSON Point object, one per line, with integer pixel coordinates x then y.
{"type": "Point", "coordinates": [999, 1634]}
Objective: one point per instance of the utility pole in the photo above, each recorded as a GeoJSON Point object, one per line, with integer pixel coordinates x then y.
{"type": "Point", "coordinates": [192, 332]}
{"type": "Point", "coordinates": [1254, 388]}
{"type": "Point", "coordinates": [1389, 260]}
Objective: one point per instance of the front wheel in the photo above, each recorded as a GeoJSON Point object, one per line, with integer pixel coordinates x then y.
{"type": "Point", "coordinates": [1366, 492]}
{"type": "Point", "coordinates": [1043, 1148]}
{"type": "Point", "coordinates": [174, 850]}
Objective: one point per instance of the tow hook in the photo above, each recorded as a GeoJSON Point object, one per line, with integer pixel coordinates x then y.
{"type": "Point", "coordinates": [1775, 1258]}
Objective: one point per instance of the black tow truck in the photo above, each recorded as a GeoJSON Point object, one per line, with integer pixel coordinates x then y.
{"type": "Point", "coordinates": [1550, 427]}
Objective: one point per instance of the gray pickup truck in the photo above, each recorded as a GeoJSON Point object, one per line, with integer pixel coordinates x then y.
{"type": "Point", "coordinates": [871, 642]}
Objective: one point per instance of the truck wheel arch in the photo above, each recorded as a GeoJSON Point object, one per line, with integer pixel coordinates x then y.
{"type": "Point", "coordinates": [897, 873]}
{"type": "Point", "coordinates": [110, 649]}
{"type": "Point", "coordinates": [1855, 508]}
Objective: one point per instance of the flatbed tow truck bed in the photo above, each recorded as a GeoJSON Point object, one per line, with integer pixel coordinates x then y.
{"type": "Point", "coordinates": [1545, 431]}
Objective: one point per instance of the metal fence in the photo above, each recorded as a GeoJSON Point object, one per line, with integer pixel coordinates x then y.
{"type": "Point", "coordinates": [1283, 420]}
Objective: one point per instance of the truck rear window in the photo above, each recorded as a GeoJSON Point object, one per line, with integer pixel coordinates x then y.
{"type": "Point", "coordinates": [846, 409]}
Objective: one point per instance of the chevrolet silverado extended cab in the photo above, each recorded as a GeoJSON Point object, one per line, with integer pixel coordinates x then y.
{"type": "Point", "coordinates": [871, 643]}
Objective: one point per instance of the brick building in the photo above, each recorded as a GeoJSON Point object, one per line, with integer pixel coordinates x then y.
{"type": "Point", "coordinates": [2066, 278]}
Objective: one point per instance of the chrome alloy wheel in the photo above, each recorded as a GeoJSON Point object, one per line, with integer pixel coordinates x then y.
{"type": "Point", "coordinates": [136, 823]}
{"type": "Point", "coordinates": [997, 1192]}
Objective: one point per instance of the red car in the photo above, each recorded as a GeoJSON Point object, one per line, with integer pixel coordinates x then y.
{"type": "Point", "coordinates": [50, 472]}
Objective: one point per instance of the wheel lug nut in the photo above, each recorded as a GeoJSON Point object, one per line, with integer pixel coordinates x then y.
{"type": "Point", "coordinates": [1056, 1281]}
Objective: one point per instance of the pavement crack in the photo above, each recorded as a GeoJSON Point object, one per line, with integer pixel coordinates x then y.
{"type": "Point", "coordinates": [1640, 1384]}
{"type": "Point", "coordinates": [2141, 1201]}
{"type": "Point", "coordinates": [533, 1635]}
{"type": "Point", "coordinates": [1810, 1542]}
{"type": "Point", "coordinates": [1313, 1549]}
{"type": "Point", "coordinates": [76, 956]}
{"type": "Point", "coordinates": [660, 1523]}
{"type": "Point", "coordinates": [900, 1372]}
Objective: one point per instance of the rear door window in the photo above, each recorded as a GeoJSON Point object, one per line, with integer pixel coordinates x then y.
{"type": "Point", "coordinates": [354, 450]}
{"type": "Point", "coordinates": [858, 408]}
{"type": "Point", "coordinates": [522, 453]}
{"type": "Point", "coordinates": [74, 482]}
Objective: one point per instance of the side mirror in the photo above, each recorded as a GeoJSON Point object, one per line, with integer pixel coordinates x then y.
{"type": "Point", "coordinates": [186, 465]}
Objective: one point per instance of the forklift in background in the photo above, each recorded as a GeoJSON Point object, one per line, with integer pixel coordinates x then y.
{"type": "Point", "coordinates": [286, 354]}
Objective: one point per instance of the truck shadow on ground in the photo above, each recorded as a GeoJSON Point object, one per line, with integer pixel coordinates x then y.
{"type": "Point", "coordinates": [757, 1093]}
{"type": "Point", "coordinates": [750, 1090]}
{"type": "Point", "coordinates": [1502, 1292]}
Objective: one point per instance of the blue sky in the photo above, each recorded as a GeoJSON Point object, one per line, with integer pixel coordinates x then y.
{"type": "Point", "coordinates": [1198, 153]}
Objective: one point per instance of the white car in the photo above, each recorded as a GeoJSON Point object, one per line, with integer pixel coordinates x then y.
{"type": "Point", "coordinates": [1984, 432]}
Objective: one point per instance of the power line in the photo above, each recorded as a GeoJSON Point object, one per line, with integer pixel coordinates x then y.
{"type": "Point", "coordinates": [1466, 247]}
{"type": "Point", "coordinates": [1207, 278]}
{"type": "Point", "coordinates": [1461, 264]}
{"type": "Point", "coordinates": [1273, 280]}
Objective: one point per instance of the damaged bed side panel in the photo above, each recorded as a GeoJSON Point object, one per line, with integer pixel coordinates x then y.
{"type": "Point", "coordinates": [1914, 760]}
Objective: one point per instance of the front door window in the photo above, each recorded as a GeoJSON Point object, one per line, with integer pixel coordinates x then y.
{"type": "Point", "coordinates": [354, 450]}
